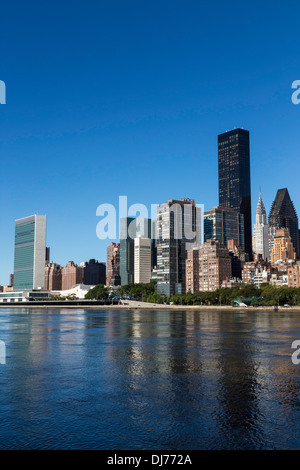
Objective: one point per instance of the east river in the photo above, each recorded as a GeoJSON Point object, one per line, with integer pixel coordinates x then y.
{"type": "Point", "coordinates": [149, 379]}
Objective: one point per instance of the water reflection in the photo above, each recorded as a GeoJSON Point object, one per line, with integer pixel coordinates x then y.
{"type": "Point", "coordinates": [161, 379]}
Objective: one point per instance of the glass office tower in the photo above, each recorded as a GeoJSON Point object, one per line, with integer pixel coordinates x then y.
{"type": "Point", "coordinates": [234, 177]}
{"type": "Point", "coordinates": [223, 224]}
{"type": "Point", "coordinates": [30, 253]}
{"type": "Point", "coordinates": [179, 229]}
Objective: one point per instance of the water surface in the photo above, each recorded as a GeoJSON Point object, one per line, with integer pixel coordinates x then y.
{"type": "Point", "coordinates": [138, 379]}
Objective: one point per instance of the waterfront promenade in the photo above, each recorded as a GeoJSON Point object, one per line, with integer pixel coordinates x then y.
{"type": "Point", "coordinates": [135, 304]}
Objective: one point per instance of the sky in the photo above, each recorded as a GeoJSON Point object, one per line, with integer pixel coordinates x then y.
{"type": "Point", "coordinates": [127, 98]}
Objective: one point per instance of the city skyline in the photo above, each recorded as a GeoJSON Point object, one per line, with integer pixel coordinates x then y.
{"type": "Point", "coordinates": [80, 133]}
{"type": "Point", "coordinates": [135, 219]}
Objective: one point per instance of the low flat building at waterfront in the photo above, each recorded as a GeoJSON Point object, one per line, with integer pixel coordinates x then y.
{"type": "Point", "coordinates": [78, 291]}
{"type": "Point", "coordinates": [24, 296]}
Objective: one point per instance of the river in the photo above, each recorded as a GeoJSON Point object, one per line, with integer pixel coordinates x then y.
{"type": "Point", "coordinates": [148, 379]}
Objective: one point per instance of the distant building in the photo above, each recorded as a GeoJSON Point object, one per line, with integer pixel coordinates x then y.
{"type": "Point", "coordinates": [223, 224]}
{"type": "Point", "coordinates": [11, 280]}
{"type": "Point", "coordinates": [256, 272]}
{"type": "Point", "coordinates": [207, 267]}
{"type": "Point", "coordinates": [71, 275]}
{"type": "Point", "coordinates": [12, 296]}
{"type": "Point", "coordinates": [294, 275]}
{"type": "Point", "coordinates": [234, 177]}
{"type": "Point", "coordinates": [79, 291]}
{"type": "Point", "coordinates": [232, 283]}
{"type": "Point", "coordinates": [94, 273]}
{"type": "Point", "coordinates": [131, 228]}
{"type": "Point", "coordinates": [47, 254]}
{"type": "Point", "coordinates": [238, 258]}
{"type": "Point", "coordinates": [282, 267]}
{"type": "Point", "coordinates": [7, 289]}
{"type": "Point", "coordinates": [192, 271]}
{"type": "Point", "coordinates": [279, 279]}
{"type": "Point", "coordinates": [271, 236]}
{"type": "Point", "coordinates": [283, 248]}
{"type": "Point", "coordinates": [53, 276]}
{"type": "Point", "coordinates": [142, 260]}
{"type": "Point", "coordinates": [154, 245]}
{"type": "Point", "coordinates": [179, 228]}
{"type": "Point", "coordinates": [283, 215]}
{"type": "Point", "coordinates": [261, 231]}
{"type": "Point", "coordinates": [30, 249]}
{"type": "Point", "coordinates": [113, 277]}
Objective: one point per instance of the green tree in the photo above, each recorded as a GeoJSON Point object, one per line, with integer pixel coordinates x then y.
{"type": "Point", "coordinates": [98, 292]}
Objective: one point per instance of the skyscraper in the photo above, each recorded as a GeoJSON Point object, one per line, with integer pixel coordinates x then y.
{"type": "Point", "coordinates": [261, 231]}
{"type": "Point", "coordinates": [224, 224]}
{"type": "Point", "coordinates": [30, 253]}
{"type": "Point", "coordinates": [179, 228]}
{"type": "Point", "coordinates": [113, 265]}
{"type": "Point", "coordinates": [234, 177]}
{"type": "Point", "coordinates": [283, 215]}
{"type": "Point", "coordinates": [142, 260]}
{"type": "Point", "coordinates": [131, 228]}
{"type": "Point", "coordinates": [283, 248]}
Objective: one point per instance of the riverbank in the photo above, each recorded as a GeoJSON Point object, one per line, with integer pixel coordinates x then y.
{"type": "Point", "coordinates": [135, 305]}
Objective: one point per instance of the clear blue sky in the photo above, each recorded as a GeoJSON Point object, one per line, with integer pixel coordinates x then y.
{"type": "Point", "coordinates": [109, 98]}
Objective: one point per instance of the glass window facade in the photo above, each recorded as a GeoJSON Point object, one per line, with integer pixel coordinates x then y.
{"type": "Point", "coordinates": [234, 177]}
{"type": "Point", "coordinates": [224, 224]}
{"type": "Point", "coordinates": [30, 253]}
{"type": "Point", "coordinates": [24, 256]}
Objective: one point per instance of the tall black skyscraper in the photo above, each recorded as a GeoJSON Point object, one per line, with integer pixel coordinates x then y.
{"type": "Point", "coordinates": [283, 215]}
{"type": "Point", "coordinates": [234, 177]}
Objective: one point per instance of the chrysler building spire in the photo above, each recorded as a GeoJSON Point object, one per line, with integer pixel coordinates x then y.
{"type": "Point", "coordinates": [261, 230]}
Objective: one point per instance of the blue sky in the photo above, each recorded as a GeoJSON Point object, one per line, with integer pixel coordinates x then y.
{"type": "Point", "coordinates": [109, 98]}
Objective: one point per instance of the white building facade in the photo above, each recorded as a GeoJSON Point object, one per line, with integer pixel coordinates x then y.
{"type": "Point", "coordinates": [261, 231]}
{"type": "Point", "coordinates": [142, 260]}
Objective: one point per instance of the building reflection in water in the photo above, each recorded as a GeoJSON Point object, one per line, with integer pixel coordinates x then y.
{"type": "Point", "coordinates": [211, 370]}
{"type": "Point", "coordinates": [155, 379]}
